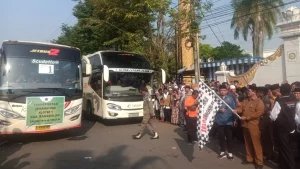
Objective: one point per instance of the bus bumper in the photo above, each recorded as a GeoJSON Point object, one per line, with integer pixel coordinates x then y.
{"type": "Point", "coordinates": [19, 127]}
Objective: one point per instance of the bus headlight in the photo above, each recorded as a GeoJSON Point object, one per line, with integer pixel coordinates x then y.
{"type": "Point", "coordinates": [113, 106]}
{"type": "Point", "coordinates": [72, 110]}
{"type": "Point", "coordinates": [11, 115]}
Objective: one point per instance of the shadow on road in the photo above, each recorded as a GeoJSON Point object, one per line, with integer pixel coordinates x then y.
{"type": "Point", "coordinates": [181, 133]}
{"type": "Point", "coordinates": [119, 122]}
{"type": "Point", "coordinates": [72, 134]}
{"type": "Point", "coordinates": [186, 150]}
{"type": "Point", "coordinates": [115, 158]}
{"type": "Point", "coordinates": [14, 163]}
{"type": "Point", "coordinates": [238, 151]}
{"type": "Point", "coordinates": [10, 144]}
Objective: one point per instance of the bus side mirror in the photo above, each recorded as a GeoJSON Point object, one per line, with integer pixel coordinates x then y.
{"type": "Point", "coordinates": [163, 76]}
{"type": "Point", "coordinates": [105, 73]}
{"type": "Point", "coordinates": [88, 69]}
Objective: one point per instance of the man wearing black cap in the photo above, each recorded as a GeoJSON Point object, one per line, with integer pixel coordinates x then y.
{"type": "Point", "coordinates": [252, 109]}
{"type": "Point", "coordinates": [148, 112]}
{"type": "Point", "coordinates": [283, 115]}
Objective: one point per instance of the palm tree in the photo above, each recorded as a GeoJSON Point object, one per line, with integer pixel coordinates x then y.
{"type": "Point", "coordinates": [256, 18]}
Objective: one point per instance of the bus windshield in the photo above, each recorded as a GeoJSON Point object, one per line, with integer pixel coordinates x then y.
{"type": "Point", "coordinates": [26, 73]}
{"type": "Point", "coordinates": [126, 84]}
{"type": "Point", "coordinates": [29, 69]}
{"type": "Point", "coordinates": [124, 60]}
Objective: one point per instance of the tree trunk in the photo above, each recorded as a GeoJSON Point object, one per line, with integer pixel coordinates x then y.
{"type": "Point", "coordinates": [258, 35]}
{"type": "Point", "coordinates": [256, 38]}
{"type": "Point", "coordinates": [261, 38]}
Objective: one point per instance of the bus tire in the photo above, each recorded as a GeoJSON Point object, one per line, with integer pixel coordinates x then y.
{"type": "Point", "coordinates": [89, 112]}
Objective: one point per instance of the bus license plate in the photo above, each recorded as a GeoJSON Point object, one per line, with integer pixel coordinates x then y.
{"type": "Point", "coordinates": [42, 127]}
{"type": "Point", "coordinates": [133, 114]}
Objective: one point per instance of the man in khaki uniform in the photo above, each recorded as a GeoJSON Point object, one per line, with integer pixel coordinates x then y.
{"type": "Point", "coordinates": [252, 109]}
{"type": "Point", "coordinates": [148, 114]}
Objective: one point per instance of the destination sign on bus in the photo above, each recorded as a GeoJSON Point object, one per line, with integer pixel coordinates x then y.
{"type": "Point", "coordinates": [44, 110]}
{"type": "Point", "coordinates": [131, 70]}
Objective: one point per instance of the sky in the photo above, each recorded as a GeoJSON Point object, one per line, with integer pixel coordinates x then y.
{"type": "Point", "coordinates": [40, 20]}
{"type": "Point", "coordinates": [34, 20]}
{"type": "Point", "coordinates": [225, 33]}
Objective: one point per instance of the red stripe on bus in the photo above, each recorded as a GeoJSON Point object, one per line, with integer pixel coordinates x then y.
{"type": "Point", "coordinates": [38, 132]}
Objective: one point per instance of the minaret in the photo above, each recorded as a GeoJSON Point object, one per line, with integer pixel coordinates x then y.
{"type": "Point", "coordinates": [186, 48]}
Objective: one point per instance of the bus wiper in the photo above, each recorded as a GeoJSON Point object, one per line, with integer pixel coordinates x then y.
{"type": "Point", "coordinates": [28, 93]}
{"type": "Point", "coordinates": [59, 90]}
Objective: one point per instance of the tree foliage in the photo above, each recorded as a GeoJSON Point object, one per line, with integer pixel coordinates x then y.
{"type": "Point", "coordinates": [147, 27]}
{"type": "Point", "coordinates": [226, 51]}
{"type": "Point", "coordinates": [206, 51]}
{"type": "Point", "coordinates": [257, 18]}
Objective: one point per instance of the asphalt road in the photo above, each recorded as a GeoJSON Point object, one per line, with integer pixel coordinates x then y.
{"type": "Point", "coordinates": [99, 145]}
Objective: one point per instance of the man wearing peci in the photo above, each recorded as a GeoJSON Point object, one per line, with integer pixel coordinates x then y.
{"type": "Point", "coordinates": [283, 115]}
{"type": "Point", "coordinates": [252, 109]}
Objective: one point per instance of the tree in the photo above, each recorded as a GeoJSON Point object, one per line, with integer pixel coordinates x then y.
{"type": "Point", "coordinates": [147, 27]}
{"type": "Point", "coordinates": [206, 51]}
{"type": "Point", "coordinates": [256, 18]}
{"type": "Point", "coordinates": [118, 24]}
{"type": "Point", "coordinates": [227, 51]}
{"type": "Point", "coordinates": [126, 25]}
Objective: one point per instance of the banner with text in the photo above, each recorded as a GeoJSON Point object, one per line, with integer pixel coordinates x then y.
{"type": "Point", "coordinates": [45, 110]}
{"type": "Point", "coordinates": [209, 104]}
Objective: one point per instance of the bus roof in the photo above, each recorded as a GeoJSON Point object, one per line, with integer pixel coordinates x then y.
{"type": "Point", "coordinates": [32, 42]}
{"type": "Point", "coordinates": [101, 51]}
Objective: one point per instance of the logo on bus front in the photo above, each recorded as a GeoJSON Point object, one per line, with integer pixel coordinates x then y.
{"type": "Point", "coordinates": [51, 52]}
{"type": "Point", "coordinates": [133, 105]}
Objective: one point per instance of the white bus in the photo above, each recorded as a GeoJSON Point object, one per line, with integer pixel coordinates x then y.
{"type": "Point", "coordinates": [112, 90]}
{"type": "Point", "coordinates": [41, 87]}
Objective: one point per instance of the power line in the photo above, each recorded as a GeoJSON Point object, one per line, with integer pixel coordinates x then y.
{"type": "Point", "coordinates": [229, 11]}
{"type": "Point", "coordinates": [229, 29]}
{"type": "Point", "coordinates": [59, 27]}
{"type": "Point", "coordinates": [206, 26]}
{"type": "Point", "coordinates": [218, 29]}
{"type": "Point", "coordinates": [69, 19]}
{"type": "Point", "coordinates": [218, 23]}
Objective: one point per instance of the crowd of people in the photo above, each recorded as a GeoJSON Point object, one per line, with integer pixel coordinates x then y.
{"type": "Point", "coordinates": [264, 118]}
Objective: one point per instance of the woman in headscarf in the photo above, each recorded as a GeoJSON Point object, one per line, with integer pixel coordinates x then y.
{"type": "Point", "coordinates": [175, 105]}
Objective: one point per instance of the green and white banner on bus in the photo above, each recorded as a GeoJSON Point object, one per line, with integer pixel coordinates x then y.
{"type": "Point", "coordinates": [45, 110]}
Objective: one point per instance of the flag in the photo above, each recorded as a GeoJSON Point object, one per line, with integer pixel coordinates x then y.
{"type": "Point", "coordinates": [209, 104]}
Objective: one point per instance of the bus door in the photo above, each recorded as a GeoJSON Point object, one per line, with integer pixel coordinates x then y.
{"type": "Point", "coordinates": [96, 84]}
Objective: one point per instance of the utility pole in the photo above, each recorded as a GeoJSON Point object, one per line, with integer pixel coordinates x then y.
{"type": "Point", "coordinates": [177, 51]}
{"type": "Point", "coordinates": [196, 56]}
{"type": "Point", "coordinates": [195, 39]}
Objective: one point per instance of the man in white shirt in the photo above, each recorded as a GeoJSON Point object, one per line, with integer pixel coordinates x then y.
{"type": "Point", "coordinates": [283, 115]}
